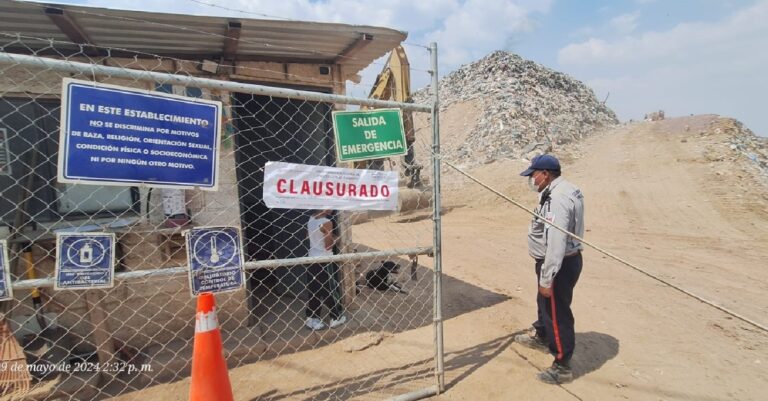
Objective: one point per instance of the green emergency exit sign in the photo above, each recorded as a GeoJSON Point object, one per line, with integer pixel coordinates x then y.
{"type": "Point", "coordinates": [370, 134]}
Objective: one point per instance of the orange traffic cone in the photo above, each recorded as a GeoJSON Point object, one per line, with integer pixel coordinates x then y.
{"type": "Point", "coordinates": [210, 379]}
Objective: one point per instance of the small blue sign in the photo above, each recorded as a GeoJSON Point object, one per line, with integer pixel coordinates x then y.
{"type": "Point", "coordinates": [124, 136]}
{"type": "Point", "coordinates": [84, 260]}
{"type": "Point", "coordinates": [215, 259]}
{"type": "Point", "coordinates": [6, 291]}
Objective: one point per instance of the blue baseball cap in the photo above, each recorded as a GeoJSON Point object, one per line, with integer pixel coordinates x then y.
{"type": "Point", "coordinates": [542, 162]}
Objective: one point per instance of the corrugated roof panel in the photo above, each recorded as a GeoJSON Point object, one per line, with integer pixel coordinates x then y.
{"type": "Point", "coordinates": [153, 38]}
{"type": "Point", "coordinates": [172, 34]}
{"type": "Point", "coordinates": [169, 49]}
{"type": "Point", "coordinates": [317, 52]}
{"type": "Point", "coordinates": [15, 14]}
{"type": "Point", "coordinates": [89, 23]}
{"type": "Point", "coordinates": [41, 39]}
{"type": "Point", "coordinates": [20, 26]}
{"type": "Point", "coordinates": [299, 35]}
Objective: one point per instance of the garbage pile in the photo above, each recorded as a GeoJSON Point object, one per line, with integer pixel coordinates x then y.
{"type": "Point", "coordinates": [527, 109]}
{"type": "Point", "coordinates": [745, 145]}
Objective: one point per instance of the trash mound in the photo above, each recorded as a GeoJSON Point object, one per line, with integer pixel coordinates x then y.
{"type": "Point", "coordinates": [523, 109]}
{"type": "Point", "coordinates": [746, 147]}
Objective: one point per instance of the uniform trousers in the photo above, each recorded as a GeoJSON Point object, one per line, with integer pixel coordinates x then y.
{"type": "Point", "coordinates": [555, 323]}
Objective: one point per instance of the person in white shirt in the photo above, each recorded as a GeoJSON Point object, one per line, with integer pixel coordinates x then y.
{"type": "Point", "coordinates": [558, 264]}
{"type": "Point", "coordinates": [321, 278]}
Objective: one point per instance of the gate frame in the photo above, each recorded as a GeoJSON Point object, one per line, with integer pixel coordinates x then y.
{"type": "Point", "coordinates": [435, 250]}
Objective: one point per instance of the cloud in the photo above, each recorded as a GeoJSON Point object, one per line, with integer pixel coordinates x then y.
{"type": "Point", "coordinates": [684, 41]}
{"type": "Point", "coordinates": [477, 27]}
{"type": "Point", "coordinates": [625, 23]}
{"type": "Point", "coordinates": [582, 32]}
{"type": "Point", "coordinates": [694, 67]}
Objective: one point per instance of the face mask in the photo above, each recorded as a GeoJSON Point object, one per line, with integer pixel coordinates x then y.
{"type": "Point", "coordinates": [532, 184]}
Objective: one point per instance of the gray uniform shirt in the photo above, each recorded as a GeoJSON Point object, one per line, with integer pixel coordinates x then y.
{"type": "Point", "coordinates": [563, 207]}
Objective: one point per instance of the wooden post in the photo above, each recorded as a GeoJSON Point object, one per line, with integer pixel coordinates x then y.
{"type": "Point", "coordinates": [105, 347]}
{"type": "Point", "coordinates": [346, 269]}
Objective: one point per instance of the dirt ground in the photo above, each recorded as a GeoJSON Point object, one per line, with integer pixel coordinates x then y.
{"type": "Point", "coordinates": [655, 197]}
{"type": "Point", "coordinates": [663, 196]}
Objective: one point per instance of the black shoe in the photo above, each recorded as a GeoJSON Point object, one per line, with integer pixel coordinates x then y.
{"type": "Point", "coordinates": [534, 342]}
{"type": "Point", "coordinates": [556, 374]}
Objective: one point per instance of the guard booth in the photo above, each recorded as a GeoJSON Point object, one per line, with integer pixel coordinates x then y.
{"type": "Point", "coordinates": [142, 318]}
{"type": "Point", "coordinates": [319, 57]}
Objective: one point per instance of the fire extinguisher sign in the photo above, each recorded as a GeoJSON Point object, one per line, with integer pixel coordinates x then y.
{"type": "Point", "coordinates": [84, 261]}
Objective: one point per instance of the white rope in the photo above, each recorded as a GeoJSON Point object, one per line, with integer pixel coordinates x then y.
{"type": "Point", "coordinates": [609, 254]}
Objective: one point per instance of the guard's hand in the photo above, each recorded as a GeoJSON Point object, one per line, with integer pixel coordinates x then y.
{"type": "Point", "coordinates": [545, 292]}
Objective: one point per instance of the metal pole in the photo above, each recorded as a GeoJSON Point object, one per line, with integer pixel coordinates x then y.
{"type": "Point", "coordinates": [260, 264]}
{"type": "Point", "coordinates": [437, 242]}
{"type": "Point", "coordinates": [416, 395]}
{"type": "Point", "coordinates": [141, 75]}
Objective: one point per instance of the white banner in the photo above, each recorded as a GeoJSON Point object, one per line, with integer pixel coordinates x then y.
{"type": "Point", "coordinates": [299, 186]}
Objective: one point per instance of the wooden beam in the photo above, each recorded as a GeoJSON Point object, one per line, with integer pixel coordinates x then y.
{"type": "Point", "coordinates": [232, 39]}
{"type": "Point", "coordinates": [349, 53]}
{"type": "Point", "coordinates": [68, 26]}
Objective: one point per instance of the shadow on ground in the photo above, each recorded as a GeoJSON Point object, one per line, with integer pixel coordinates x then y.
{"type": "Point", "coordinates": [459, 365]}
{"type": "Point", "coordinates": [279, 330]}
{"type": "Point", "coordinates": [593, 350]}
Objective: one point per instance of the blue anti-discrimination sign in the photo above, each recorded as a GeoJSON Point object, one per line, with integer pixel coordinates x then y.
{"type": "Point", "coordinates": [6, 291]}
{"type": "Point", "coordinates": [84, 260]}
{"type": "Point", "coordinates": [215, 259]}
{"type": "Point", "coordinates": [123, 136]}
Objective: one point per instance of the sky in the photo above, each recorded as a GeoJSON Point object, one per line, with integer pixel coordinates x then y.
{"type": "Point", "coordinates": [681, 56]}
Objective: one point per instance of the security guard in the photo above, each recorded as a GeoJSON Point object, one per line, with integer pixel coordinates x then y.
{"type": "Point", "coordinates": [558, 263]}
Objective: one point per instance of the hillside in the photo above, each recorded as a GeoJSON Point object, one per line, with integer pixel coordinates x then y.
{"type": "Point", "coordinates": [673, 197]}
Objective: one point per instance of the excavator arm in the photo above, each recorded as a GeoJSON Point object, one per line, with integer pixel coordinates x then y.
{"type": "Point", "coordinates": [394, 83]}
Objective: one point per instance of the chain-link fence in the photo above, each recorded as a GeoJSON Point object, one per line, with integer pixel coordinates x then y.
{"type": "Point", "coordinates": [134, 340]}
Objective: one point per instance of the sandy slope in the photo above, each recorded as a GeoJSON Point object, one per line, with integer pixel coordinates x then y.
{"type": "Point", "coordinates": [654, 198]}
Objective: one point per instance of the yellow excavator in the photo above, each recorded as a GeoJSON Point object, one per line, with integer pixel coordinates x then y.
{"type": "Point", "coordinates": [394, 83]}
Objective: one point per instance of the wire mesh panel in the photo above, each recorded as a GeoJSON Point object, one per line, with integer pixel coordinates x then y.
{"type": "Point", "coordinates": [357, 324]}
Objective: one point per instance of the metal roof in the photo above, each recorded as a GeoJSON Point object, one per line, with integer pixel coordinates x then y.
{"type": "Point", "coordinates": [190, 37]}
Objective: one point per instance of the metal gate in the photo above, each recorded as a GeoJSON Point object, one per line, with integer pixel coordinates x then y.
{"type": "Point", "coordinates": [134, 340]}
